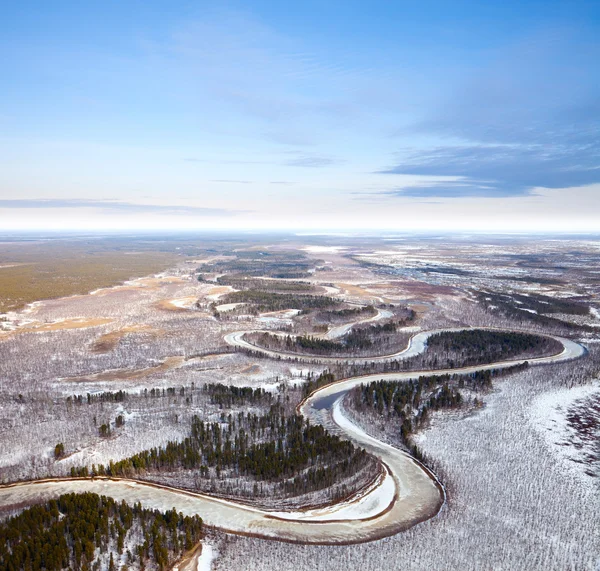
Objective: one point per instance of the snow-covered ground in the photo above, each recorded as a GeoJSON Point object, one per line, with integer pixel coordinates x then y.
{"type": "Point", "coordinates": [549, 415]}
{"type": "Point", "coordinates": [228, 306]}
{"type": "Point", "coordinates": [341, 330]}
{"type": "Point", "coordinates": [200, 561]}
{"type": "Point", "coordinates": [205, 560]}
{"type": "Point", "coordinates": [324, 249]}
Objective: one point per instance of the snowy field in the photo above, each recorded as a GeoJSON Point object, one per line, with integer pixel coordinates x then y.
{"type": "Point", "coordinates": [521, 473]}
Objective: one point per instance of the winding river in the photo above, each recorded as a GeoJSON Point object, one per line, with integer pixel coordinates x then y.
{"type": "Point", "coordinates": [405, 494]}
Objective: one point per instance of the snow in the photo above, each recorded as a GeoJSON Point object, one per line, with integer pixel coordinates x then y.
{"type": "Point", "coordinates": [549, 417]}
{"type": "Point", "coordinates": [201, 561]}
{"type": "Point", "coordinates": [228, 306]}
{"type": "Point", "coordinates": [204, 562]}
{"type": "Point", "coordinates": [324, 249]}
{"type": "Point", "coordinates": [183, 303]}
{"type": "Point", "coordinates": [369, 504]}
{"type": "Point", "coordinates": [294, 371]}
{"type": "Point", "coordinates": [416, 345]}
{"type": "Point", "coordinates": [341, 330]}
{"type": "Point", "coordinates": [296, 382]}
{"type": "Point", "coordinates": [284, 314]}
{"type": "Point", "coordinates": [331, 290]}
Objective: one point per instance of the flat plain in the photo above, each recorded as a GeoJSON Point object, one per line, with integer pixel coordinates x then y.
{"type": "Point", "coordinates": [367, 399]}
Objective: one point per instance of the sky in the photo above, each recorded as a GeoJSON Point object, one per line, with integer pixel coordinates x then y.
{"type": "Point", "coordinates": [390, 115]}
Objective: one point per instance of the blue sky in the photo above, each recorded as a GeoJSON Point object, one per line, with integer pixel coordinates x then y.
{"type": "Point", "coordinates": [392, 115]}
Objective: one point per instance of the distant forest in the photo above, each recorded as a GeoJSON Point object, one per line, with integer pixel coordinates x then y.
{"type": "Point", "coordinates": [264, 301]}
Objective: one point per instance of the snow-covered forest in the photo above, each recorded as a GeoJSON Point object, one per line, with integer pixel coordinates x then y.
{"type": "Point", "coordinates": [150, 380]}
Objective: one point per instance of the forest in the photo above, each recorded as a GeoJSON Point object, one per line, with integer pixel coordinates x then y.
{"type": "Point", "coordinates": [262, 263]}
{"type": "Point", "coordinates": [120, 412]}
{"type": "Point", "coordinates": [227, 396]}
{"type": "Point", "coordinates": [410, 403]}
{"type": "Point", "coordinates": [534, 309]}
{"type": "Point", "coordinates": [287, 450]}
{"type": "Point", "coordinates": [372, 338]}
{"type": "Point", "coordinates": [264, 301]}
{"type": "Point", "coordinates": [241, 282]}
{"type": "Point", "coordinates": [476, 346]}
{"type": "Point", "coordinates": [79, 531]}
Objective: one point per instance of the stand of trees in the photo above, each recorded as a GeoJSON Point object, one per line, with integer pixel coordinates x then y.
{"type": "Point", "coordinates": [254, 263]}
{"type": "Point", "coordinates": [475, 346]}
{"type": "Point", "coordinates": [358, 340]}
{"type": "Point", "coordinates": [534, 309]}
{"type": "Point", "coordinates": [264, 301]}
{"type": "Point", "coordinates": [241, 282]}
{"type": "Point", "coordinates": [227, 396]}
{"type": "Point", "coordinates": [271, 447]}
{"type": "Point", "coordinates": [87, 531]}
{"type": "Point", "coordinates": [312, 384]}
{"type": "Point", "coordinates": [412, 401]}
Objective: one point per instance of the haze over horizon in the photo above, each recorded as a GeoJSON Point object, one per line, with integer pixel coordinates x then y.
{"type": "Point", "coordinates": [262, 115]}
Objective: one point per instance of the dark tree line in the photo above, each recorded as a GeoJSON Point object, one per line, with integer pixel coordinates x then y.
{"type": "Point", "coordinates": [430, 359]}
{"type": "Point", "coordinates": [264, 301]}
{"type": "Point", "coordinates": [122, 396]}
{"type": "Point", "coordinates": [358, 339]}
{"type": "Point", "coordinates": [74, 531]}
{"type": "Point", "coordinates": [534, 309]}
{"type": "Point", "coordinates": [241, 282]}
{"type": "Point", "coordinates": [476, 346]}
{"type": "Point", "coordinates": [227, 396]}
{"type": "Point", "coordinates": [312, 383]}
{"type": "Point", "coordinates": [272, 447]}
{"type": "Point", "coordinates": [282, 265]}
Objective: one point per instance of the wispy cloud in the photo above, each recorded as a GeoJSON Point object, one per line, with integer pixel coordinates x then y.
{"type": "Point", "coordinates": [499, 171]}
{"type": "Point", "coordinates": [311, 161]}
{"type": "Point", "coordinates": [116, 206]}
{"type": "Point", "coordinates": [281, 87]}
{"type": "Point", "coordinates": [219, 161]}
{"type": "Point", "coordinates": [529, 119]}
{"type": "Point", "coordinates": [232, 181]}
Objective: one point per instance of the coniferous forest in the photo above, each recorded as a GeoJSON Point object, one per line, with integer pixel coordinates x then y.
{"type": "Point", "coordinates": [411, 403]}
{"type": "Point", "coordinates": [88, 532]}
{"type": "Point", "coordinates": [273, 447]}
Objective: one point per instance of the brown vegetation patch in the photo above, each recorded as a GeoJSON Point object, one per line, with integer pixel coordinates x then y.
{"type": "Point", "coordinates": [251, 369]}
{"type": "Point", "coordinates": [358, 291]}
{"type": "Point", "coordinates": [150, 283]}
{"type": "Point", "coordinates": [37, 271]}
{"type": "Point", "coordinates": [129, 374]}
{"type": "Point", "coordinates": [76, 323]}
{"type": "Point", "coordinates": [156, 282]}
{"type": "Point", "coordinates": [351, 289]}
{"type": "Point", "coordinates": [170, 304]}
{"type": "Point", "coordinates": [218, 291]}
{"type": "Point", "coordinates": [109, 341]}
{"type": "Point", "coordinates": [418, 288]}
